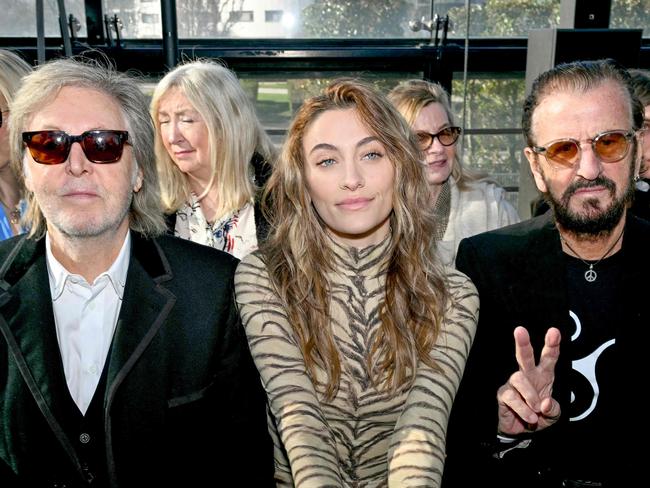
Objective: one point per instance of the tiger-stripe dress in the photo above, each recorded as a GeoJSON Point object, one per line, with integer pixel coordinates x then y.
{"type": "Point", "coordinates": [364, 436]}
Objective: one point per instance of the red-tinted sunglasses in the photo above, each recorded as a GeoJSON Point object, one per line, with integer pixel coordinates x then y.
{"type": "Point", "coordinates": [609, 147]}
{"type": "Point", "coordinates": [53, 146]}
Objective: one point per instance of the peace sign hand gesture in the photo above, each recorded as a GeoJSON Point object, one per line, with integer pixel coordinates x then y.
{"type": "Point", "coordinates": [525, 401]}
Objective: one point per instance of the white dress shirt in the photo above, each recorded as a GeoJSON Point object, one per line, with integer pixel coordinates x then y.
{"type": "Point", "coordinates": [85, 316]}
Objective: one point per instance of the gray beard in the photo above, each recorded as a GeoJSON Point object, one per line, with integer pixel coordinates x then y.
{"type": "Point", "coordinates": [590, 225]}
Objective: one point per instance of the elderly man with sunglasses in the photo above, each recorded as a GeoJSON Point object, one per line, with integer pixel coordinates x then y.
{"type": "Point", "coordinates": [549, 394]}
{"type": "Point", "coordinates": [122, 359]}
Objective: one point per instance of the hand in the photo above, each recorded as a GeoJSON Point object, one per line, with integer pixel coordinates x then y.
{"type": "Point", "coordinates": [525, 401]}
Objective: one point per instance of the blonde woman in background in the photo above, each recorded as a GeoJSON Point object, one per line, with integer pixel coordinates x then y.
{"type": "Point", "coordinates": [12, 70]}
{"type": "Point", "coordinates": [213, 156]}
{"type": "Point", "coordinates": [464, 203]}
{"type": "Point", "coordinates": [359, 335]}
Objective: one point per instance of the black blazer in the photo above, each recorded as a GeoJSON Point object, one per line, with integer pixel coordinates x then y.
{"type": "Point", "coordinates": [520, 276]}
{"type": "Point", "coordinates": [179, 376]}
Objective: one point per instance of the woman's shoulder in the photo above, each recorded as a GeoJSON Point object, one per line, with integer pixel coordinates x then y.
{"type": "Point", "coordinates": [460, 285]}
{"type": "Point", "coordinates": [464, 301]}
{"type": "Point", "coordinates": [252, 264]}
{"type": "Point", "coordinates": [251, 278]}
{"type": "Point", "coordinates": [487, 188]}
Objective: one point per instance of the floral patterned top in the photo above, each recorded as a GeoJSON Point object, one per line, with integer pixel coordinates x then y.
{"type": "Point", "coordinates": [7, 218]}
{"type": "Point", "coordinates": [234, 233]}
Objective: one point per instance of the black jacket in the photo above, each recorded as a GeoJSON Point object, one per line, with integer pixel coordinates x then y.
{"type": "Point", "coordinates": [520, 276]}
{"type": "Point", "coordinates": [183, 403]}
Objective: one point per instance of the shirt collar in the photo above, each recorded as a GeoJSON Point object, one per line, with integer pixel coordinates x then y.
{"type": "Point", "coordinates": [116, 273]}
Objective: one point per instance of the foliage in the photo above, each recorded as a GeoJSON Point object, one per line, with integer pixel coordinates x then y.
{"type": "Point", "coordinates": [492, 103]}
{"type": "Point", "coordinates": [354, 18]}
{"type": "Point", "coordinates": [506, 18]}
{"type": "Point", "coordinates": [631, 14]}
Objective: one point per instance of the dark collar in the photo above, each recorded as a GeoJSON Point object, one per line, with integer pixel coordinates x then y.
{"type": "Point", "coordinates": [27, 250]}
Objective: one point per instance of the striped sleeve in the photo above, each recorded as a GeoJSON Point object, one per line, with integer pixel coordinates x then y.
{"type": "Point", "coordinates": [302, 432]}
{"type": "Point", "coordinates": [417, 452]}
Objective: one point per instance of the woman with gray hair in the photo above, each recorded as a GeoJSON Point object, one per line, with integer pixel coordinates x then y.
{"type": "Point", "coordinates": [213, 155]}
{"type": "Point", "coordinates": [12, 69]}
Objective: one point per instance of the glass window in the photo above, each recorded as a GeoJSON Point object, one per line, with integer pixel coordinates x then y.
{"type": "Point", "coordinates": [241, 16]}
{"type": "Point", "coordinates": [500, 18]}
{"type": "Point", "coordinates": [150, 18]}
{"type": "Point", "coordinates": [140, 19]}
{"type": "Point", "coordinates": [320, 18]}
{"type": "Point", "coordinates": [18, 18]}
{"type": "Point", "coordinates": [298, 18]}
{"type": "Point", "coordinates": [273, 15]}
{"type": "Point", "coordinates": [497, 155]}
{"type": "Point", "coordinates": [631, 14]}
{"type": "Point", "coordinates": [278, 96]}
{"type": "Point", "coordinates": [493, 141]}
{"type": "Point", "coordinates": [344, 19]}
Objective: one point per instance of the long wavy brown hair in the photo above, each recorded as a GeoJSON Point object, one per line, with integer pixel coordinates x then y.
{"type": "Point", "coordinates": [297, 253]}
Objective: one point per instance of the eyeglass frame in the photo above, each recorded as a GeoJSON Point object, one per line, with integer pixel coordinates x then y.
{"type": "Point", "coordinates": [628, 135]}
{"type": "Point", "coordinates": [122, 134]}
{"type": "Point", "coordinates": [456, 129]}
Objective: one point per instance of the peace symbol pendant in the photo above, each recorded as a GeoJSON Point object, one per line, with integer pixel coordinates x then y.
{"type": "Point", "coordinates": [590, 274]}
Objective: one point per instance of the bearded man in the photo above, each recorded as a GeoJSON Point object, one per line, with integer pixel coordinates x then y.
{"type": "Point", "coordinates": [548, 408]}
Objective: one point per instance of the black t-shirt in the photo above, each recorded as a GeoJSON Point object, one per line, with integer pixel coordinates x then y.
{"type": "Point", "coordinates": [597, 309]}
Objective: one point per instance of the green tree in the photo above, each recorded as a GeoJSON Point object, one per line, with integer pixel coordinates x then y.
{"type": "Point", "coordinates": [631, 14]}
{"type": "Point", "coordinates": [355, 18]}
{"type": "Point", "coordinates": [506, 18]}
{"type": "Point", "coordinates": [493, 103]}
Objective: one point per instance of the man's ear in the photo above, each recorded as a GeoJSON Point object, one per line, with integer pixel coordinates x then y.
{"type": "Point", "coordinates": [139, 177]}
{"type": "Point", "coordinates": [533, 161]}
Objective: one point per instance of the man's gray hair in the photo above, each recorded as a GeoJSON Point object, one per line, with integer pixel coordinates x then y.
{"type": "Point", "coordinates": [580, 75]}
{"type": "Point", "coordinates": [41, 87]}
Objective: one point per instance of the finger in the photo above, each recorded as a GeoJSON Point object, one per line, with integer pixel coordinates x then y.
{"type": "Point", "coordinates": [521, 383]}
{"type": "Point", "coordinates": [551, 350]}
{"type": "Point", "coordinates": [509, 398]}
{"type": "Point", "coordinates": [550, 409]}
{"type": "Point", "coordinates": [524, 350]}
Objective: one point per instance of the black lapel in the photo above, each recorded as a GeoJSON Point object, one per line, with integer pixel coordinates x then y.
{"type": "Point", "coordinates": [541, 285]}
{"type": "Point", "coordinates": [146, 304]}
{"type": "Point", "coordinates": [540, 294]}
{"type": "Point", "coordinates": [27, 324]}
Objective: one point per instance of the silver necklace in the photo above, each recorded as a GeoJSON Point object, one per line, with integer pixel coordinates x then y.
{"type": "Point", "coordinates": [590, 274]}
